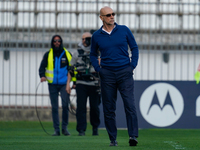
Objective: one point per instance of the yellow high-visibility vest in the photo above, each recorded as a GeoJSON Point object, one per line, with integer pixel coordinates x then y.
{"type": "Point", "coordinates": [74, 78]}
{"type": "Point", "coordinates": [50, 67]}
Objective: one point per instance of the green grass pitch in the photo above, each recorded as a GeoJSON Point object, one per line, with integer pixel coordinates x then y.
{"type": "Point", "coordinates": [29, 135]}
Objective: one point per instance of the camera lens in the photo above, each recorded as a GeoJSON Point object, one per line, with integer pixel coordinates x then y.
{"type": "Point", "coordinates": [88, 41]}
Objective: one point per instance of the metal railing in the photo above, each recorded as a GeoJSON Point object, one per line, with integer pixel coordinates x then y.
{"type": "Point", "coordinates": [167, 33]}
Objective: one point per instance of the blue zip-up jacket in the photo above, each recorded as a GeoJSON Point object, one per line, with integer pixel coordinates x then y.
{"type": "Point", "coordinates": [60, 73]}
{"type": "Point", "coordinates": [114, 49]}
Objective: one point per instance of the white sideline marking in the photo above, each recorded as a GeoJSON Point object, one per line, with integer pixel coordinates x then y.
{"type": "Point", "coordinates": [175, 144]}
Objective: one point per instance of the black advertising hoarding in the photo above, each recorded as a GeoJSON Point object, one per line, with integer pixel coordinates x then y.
{"type": "Point", "coordinates": [163, 104]}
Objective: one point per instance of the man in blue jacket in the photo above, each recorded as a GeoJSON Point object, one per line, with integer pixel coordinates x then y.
{"type": "Point", "coordinates": [116, 72]}
{"type": "Point", "coordinates": [54, 68]}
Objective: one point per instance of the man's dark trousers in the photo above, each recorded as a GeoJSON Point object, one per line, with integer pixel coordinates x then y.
{"type": "Point", "coordinates": [54, 91]}
{"type": "Point", "coordinates": [83, 92]}
{"type": "Point", "coordinates": [121, 80]}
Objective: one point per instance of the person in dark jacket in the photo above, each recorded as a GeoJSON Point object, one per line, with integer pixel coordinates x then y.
{"type": "Point", "coordinates": [54, 69]}
{"type": "Point", "coordinates": [86, 87]}
{"type": "Point", "coordinates": [116, 72]}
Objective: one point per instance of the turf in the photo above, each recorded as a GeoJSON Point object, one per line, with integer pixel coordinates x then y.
{"type": "Point", "coordinates": [29, 135]}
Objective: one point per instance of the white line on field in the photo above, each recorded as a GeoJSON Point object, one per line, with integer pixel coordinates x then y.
{"type": "Point", "coordinates": [175, 144]}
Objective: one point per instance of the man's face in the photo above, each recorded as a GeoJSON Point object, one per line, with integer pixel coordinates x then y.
{"type": "Point", "coordinates": [107, 16]}
{"type": "Point", "coordinates": [84, 39]}
{"type": "Point", "coordinates": [56, 41]}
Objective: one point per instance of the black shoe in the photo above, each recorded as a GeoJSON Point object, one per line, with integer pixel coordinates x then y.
{"type": "Point", "coordinates": [81, 133]}
{"type": "Point", "coordinates": [56, 133]}
{"type": "Point", "coordinates": [113, 143]}
{"type": "Point", "coordinates": [133, 141]}
{"type": "Point", "coordinates": [95, 131]}
{"type": "Point", "coordinates": [65, 132]}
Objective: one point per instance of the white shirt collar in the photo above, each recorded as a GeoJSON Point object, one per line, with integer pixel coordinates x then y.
{"type": "Point", "coordinates": [107, 31]}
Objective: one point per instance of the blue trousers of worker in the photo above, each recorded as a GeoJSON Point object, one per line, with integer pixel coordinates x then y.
{"type": "Point", "coordinates": [121, 80]}
{"type": "Point", "coordinates": [54, 91]}
{"type": "Point", "coordinates": [83, 92]}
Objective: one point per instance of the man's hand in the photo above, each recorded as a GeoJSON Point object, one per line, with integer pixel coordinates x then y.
{"type": "Point", "coordinates": [74, 86]}
{"type": "Point", "coordinates": [99, 59]}
{"type": "Point", "coordinates": [68, 89]}
{"type": "Point", "coordinates": [43, 79]}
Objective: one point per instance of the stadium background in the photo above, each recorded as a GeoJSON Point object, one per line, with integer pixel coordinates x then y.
{"type": "Point", "coordinates": [167, 33]}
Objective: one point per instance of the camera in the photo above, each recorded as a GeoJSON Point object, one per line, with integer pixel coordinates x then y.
{"type": "Point", "coordinates": [85, 57]}
{"type": "Point", "coordinates": [84, 72]}
{"type": "Point", "coordinates": [88, 41]}
{"type": "Point", "coordinates": [84, 68]}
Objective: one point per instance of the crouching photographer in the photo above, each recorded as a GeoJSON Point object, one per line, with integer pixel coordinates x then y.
{"type": "Point", "coordinates": [86, 85]}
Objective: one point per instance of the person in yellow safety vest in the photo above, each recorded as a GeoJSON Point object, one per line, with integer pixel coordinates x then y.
{"type": "Point", "coordinates": [54, 69]}
{"type": "Point", "coordinates": [197, 75]}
